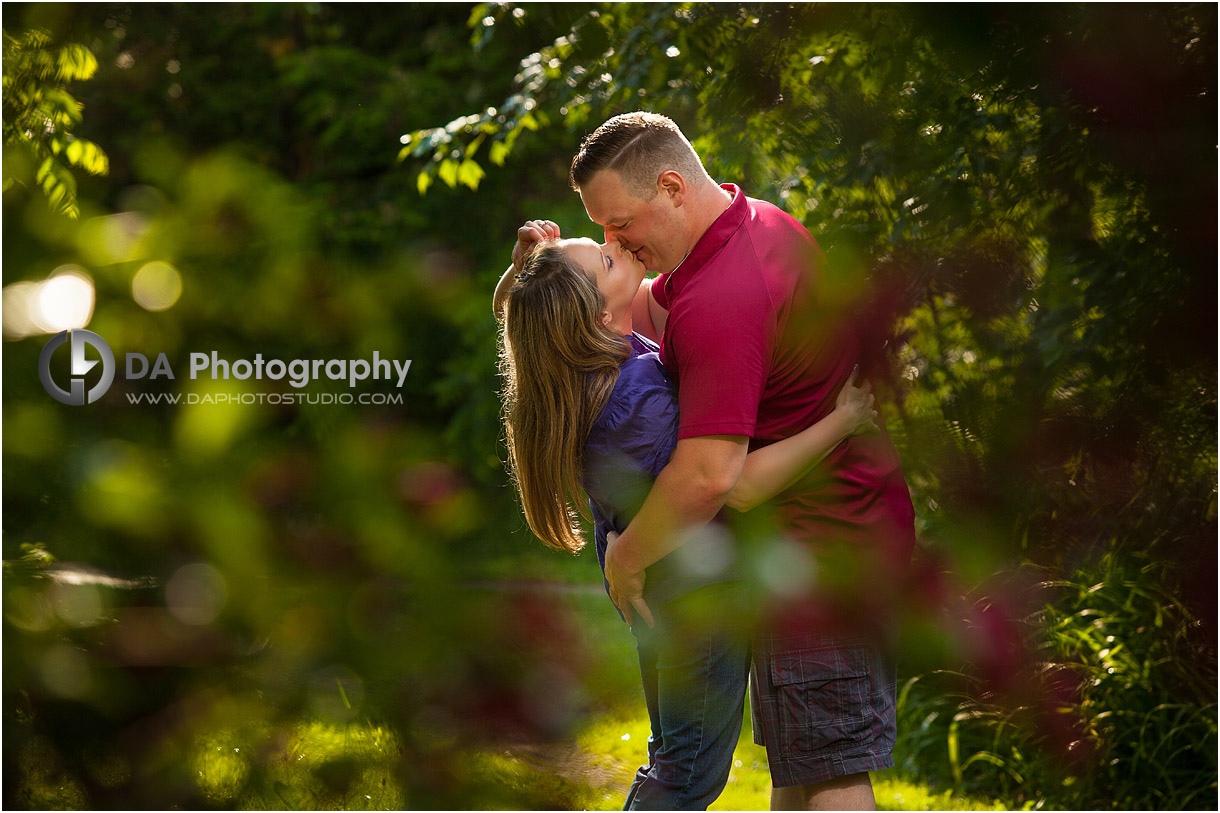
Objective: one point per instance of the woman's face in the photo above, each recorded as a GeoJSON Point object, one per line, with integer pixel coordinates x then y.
{"type": "Point", "coordinates": [617, 272]}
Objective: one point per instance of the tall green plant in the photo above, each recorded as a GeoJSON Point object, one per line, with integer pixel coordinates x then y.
{"type": "Point", "coordinates": [1119, 711]}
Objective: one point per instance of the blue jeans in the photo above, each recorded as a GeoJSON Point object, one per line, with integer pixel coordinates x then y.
{"type": "Point", "coordinates": [695, 665]}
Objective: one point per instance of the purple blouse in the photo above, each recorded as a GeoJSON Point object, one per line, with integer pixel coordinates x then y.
{"type": "Point", "coordinates": [630, 442]}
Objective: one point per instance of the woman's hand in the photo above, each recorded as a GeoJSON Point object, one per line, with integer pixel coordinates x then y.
{"type": "Point", "coordinates": [856, 406]}
{"type": "Point", "coordinates": [529, 235]}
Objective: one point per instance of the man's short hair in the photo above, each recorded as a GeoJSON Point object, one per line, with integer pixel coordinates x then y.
{"type": "Point", "coordinates": [639, 147]}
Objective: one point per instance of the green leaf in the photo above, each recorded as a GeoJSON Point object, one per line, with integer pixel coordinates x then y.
{"type": "Point", "coordinates": [423, 181]}
{"type": "Point", "coordinates": [93, 159]}
{"type": "Point", "coordinates": [448, 172]}
{"type": "Point", "coordinates": [470, 173]}
{"type": "Point", "coordinates": [44, 170]}
{"type": "Point", "coordinates": [61, 107]}
{"type": "Point", "coordinates": [473, 147]}
{"type": "Point", "coordinates": [499, 151]}
{"type": "Point", "coordinates": [476, 15]}
{"type": "Point", "coordinates": [75, 61]}
{"type": "Point", "coordinates": [59, 186]}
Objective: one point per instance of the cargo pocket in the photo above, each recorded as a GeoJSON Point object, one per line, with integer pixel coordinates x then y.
{"type": "Point", "coordinates": [824, 698]}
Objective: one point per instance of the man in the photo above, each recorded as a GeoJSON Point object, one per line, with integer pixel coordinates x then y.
{"type": "Point", "coordinates": [757, 356]}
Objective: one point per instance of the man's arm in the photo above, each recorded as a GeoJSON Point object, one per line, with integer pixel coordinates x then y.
{"type": "Point", "coordinates": [686, 495]}
{"type": "Point", "coordinates": [647, 317]}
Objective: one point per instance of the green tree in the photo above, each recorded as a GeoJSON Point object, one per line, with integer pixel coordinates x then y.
{"type": "Point", "coordinates": [1037, 259]}
{"type": "Point", "coordinates": [1021, 203]}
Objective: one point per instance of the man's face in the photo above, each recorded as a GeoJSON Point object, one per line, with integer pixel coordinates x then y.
{"type": "Point", "coordinates": [652, 230]}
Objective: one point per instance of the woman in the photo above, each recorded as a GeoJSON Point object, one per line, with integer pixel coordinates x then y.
{"type": "Point", "coordinates": [588, 407]}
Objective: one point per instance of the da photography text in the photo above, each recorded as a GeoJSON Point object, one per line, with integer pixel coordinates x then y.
{"type": "Point", "coordinates": [299, 373]}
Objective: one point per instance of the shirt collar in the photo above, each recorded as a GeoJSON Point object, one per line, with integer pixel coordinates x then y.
{"type": "Point", "coordinates": [640, 344]}
{"type": "Point", "coordinates": [722, 228]}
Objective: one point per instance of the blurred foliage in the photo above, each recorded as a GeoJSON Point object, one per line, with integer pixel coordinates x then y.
{"type": "Point", "coordinates": [39, 114]}
{"type": "Point", "coordinates": [1114, 708]}
{"type": "Point", "coordinates": [1020, 201]}
{"type": "Point", "coordinates": [185, 578]}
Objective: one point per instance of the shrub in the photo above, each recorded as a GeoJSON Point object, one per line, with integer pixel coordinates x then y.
{"type": "Point", "coordinates": [1118, 710]}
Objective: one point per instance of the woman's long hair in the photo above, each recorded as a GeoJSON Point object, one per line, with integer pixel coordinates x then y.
{"type": "Point", "coordinates": [559, 363]}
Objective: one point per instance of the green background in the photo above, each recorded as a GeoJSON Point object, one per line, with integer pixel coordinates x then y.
{"type": "Point", "coordinates": [340, 605]}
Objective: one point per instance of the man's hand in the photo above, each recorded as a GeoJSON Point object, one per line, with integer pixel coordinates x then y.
{"type": "Point", "coordinates": [626, 587]}
{"type": "Point", "coordinates": [529, 235]}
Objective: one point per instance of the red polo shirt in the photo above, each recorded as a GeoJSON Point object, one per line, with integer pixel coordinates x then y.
{"type": "Point", "coordinates": [756, 352]}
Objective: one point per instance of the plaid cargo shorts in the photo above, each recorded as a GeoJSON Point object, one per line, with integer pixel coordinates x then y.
{"type": "Point", "coordinates": [823, 704]}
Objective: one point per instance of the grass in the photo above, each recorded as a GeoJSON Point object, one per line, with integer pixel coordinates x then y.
{"type": "Point", "coordinates": [611, 748]}
{"type": "Point", "coordinates": [318, 766]}
{"type": "Point", "coordinates": [595, 771]}
{"type": "Point", "coordinates": [352, 767]}
{"type": "Point", "coordinates": [1120, 635]}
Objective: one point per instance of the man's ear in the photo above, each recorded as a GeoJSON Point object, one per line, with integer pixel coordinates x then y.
{"type": "Point", "coordinates": [673, 186]}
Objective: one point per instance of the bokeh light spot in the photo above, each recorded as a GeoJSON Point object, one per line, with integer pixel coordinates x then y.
{"type": "Point", "coordinates": [19, 299]}
{"type": "Point", "coordinates": [29, 609]}
{"type": "Point", "coordinates": [64, 301]}
{"type": "Point", "coordinates": [156, 286]}
{"type": "Point", "coordinates": [117, 238]}
{"type": "Point", "coordinates": [196, 594]}
{"type": "Point", "coordinates": [65, 672]}
{"type": "Point", "coordinates": [787, 571]}
{"type": "Point", "coordinates": [79, 605]}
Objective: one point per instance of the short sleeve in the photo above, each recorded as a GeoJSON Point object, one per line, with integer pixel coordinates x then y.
{"type": "Point", "coordinates": [659, 293]}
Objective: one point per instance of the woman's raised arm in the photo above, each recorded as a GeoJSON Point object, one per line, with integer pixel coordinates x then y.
{"type": "Point", "coordinates": [532, 233]}
{"type": "Point", "coordinates": [771, 469]}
